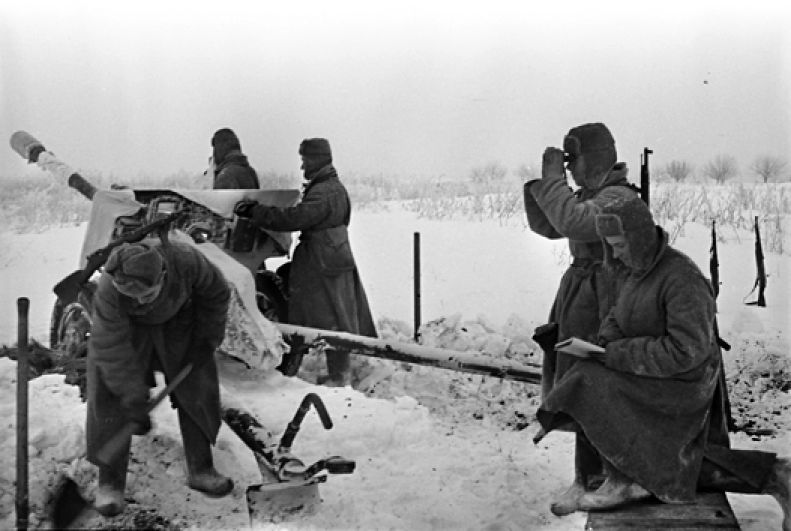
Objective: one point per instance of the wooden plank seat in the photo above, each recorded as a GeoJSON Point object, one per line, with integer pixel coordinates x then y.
{"type": "Point", "coordinates": [711, 510]}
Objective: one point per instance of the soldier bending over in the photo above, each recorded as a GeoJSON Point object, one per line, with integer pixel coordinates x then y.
{"type": "Point", "coordinates": [158, 307]}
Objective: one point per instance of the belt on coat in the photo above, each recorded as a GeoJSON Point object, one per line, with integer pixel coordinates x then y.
{"type": "Point", "coordinates": [308, 234]}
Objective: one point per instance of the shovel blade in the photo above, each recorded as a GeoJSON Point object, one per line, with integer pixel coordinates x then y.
{"type": "Point", "coordinates": [275, 502]}
{"type": "Point", "coordinates": [68, 507]}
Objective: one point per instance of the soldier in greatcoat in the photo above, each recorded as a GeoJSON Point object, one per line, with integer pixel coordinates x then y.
{"type": "Point", "coordinates": [325, 290]}
{"type": "Point", "coordinates": [158, 306]}
{"type": "Point", "coordinates": [653, 404]}
{"type": "Point", "coordinates": [231, 170]}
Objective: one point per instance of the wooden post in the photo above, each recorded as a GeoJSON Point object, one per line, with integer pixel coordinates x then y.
{"type": "Point", "coordinates": [22, 369]}
{"type": "Point", "coordinates": [416, 274]}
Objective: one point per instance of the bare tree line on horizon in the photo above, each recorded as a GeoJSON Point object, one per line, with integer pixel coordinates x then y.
{"type": "Point", "coordinates": [767, 168]}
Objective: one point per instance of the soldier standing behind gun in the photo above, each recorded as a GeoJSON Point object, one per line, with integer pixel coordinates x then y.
{"type": "Point", "coordinates": [586, 290]}
{"type": "Point", "coordinates": [325, 290]}
{"type": "Point", "coordinates": [229, 167]}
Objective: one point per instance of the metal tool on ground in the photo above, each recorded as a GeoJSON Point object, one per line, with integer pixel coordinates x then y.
{"type": "Point", "coordinates": [68, 505]}
{"type": "Point", "coordinates": [289, 486]}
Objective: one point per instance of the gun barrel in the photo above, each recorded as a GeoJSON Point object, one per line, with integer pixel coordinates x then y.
{"type": "Point", "coordinates": [30, 149]}
{"type": "Point", "coordinates": [417, 354]}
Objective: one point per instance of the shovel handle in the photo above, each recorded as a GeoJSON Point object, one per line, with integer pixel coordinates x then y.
{"type": "Point", "coordinates": [108, 453]}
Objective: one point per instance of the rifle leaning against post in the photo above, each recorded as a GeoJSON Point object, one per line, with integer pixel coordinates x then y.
{"type": "Point", "coordinates": [68, 288]}
{"type": "Point", "coordinates": [714, 270]}
{"type": "Point", "coordinates": [760, 277]}
{"type": "Point", "coordinates": [714, 262]}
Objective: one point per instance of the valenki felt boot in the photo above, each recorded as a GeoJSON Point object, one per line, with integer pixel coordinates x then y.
{"type": "Point", "coordinates": [587, 469]}
{"type": "Point", "coordinates": [109, 499]}
{"type": "Point", "coordinates": [616, 490]}
{"type": "Point", "coordinates": [201, 474]}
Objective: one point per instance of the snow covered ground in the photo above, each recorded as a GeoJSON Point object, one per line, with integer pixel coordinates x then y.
{"type": "Point", "coordinates": [434, 449]}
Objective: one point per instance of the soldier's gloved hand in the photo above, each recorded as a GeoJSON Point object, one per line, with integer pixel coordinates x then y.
{"type": "Point", "coordinates": [142, 424]}
{"type": "Point", "coordinates": [136, 413]}
{"type": "Point", "coordinates": [552, 164]}
{"type": "Point", "coordinates": [546, 336]}
{"type": "Point", "coordinates": [244, 208]}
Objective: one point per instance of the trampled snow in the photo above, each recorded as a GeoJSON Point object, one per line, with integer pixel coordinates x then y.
{"type": "Point", "coordinates": [434, 449]}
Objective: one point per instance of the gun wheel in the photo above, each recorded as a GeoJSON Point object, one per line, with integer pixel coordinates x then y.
{"type": "Point", "coordinates": [70, 327]}
{"type": "Point", "coordinates": [270, 297]}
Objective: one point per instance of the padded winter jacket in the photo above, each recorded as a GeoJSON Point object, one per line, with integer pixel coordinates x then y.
{"type": "Point", "coordinates": [185, 323]}
{"type": "Point", "coordinates": [648, 408]}
{"type": "Point", "coordinates": [235, 172]}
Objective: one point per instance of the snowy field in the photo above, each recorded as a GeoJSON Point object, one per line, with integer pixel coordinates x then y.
{"type": "Point", "coordinates": [434, 449]}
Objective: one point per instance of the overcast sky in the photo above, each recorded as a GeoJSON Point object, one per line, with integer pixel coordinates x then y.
{"type": "Point", "coordinates": [411, 88]}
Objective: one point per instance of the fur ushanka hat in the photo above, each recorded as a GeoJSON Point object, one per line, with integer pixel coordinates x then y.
{"type": "Point", "coordinates": [135, 268]}
{"type": "Point", "coordinates": [316, 148]}
{"type": "Point", "coordinates": [589, 138]}
{"type": "Point", "coordinates": [223, 142]}
{"type": "Point", "coordinates": [597, 144]}
{"type": "Point", "coordinates": [632, 219]}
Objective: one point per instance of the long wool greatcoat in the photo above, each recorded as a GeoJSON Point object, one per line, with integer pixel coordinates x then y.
{"type": "Point", "coordinates": [648, 408]}
{"type": "Point", "coordinates": [235, 172]}
{"type": "Point", "coordinates": [325, 290]}
{"type": "Point", "coordinates": [185, 323]}
{"type": "Point", "coordinates": [586, 290]}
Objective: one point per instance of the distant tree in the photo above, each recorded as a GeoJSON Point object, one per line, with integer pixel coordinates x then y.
{"type": "Point", "coordinates": [525, 173]}
{"type": "Point", "coordinates": [489, 173]}
{"type": "Point", "coordinates": [678, 170]}
{"type": "Point", "coordinates": [768, 167]}
{"type": "Point", "coordinates": [722, 168]}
